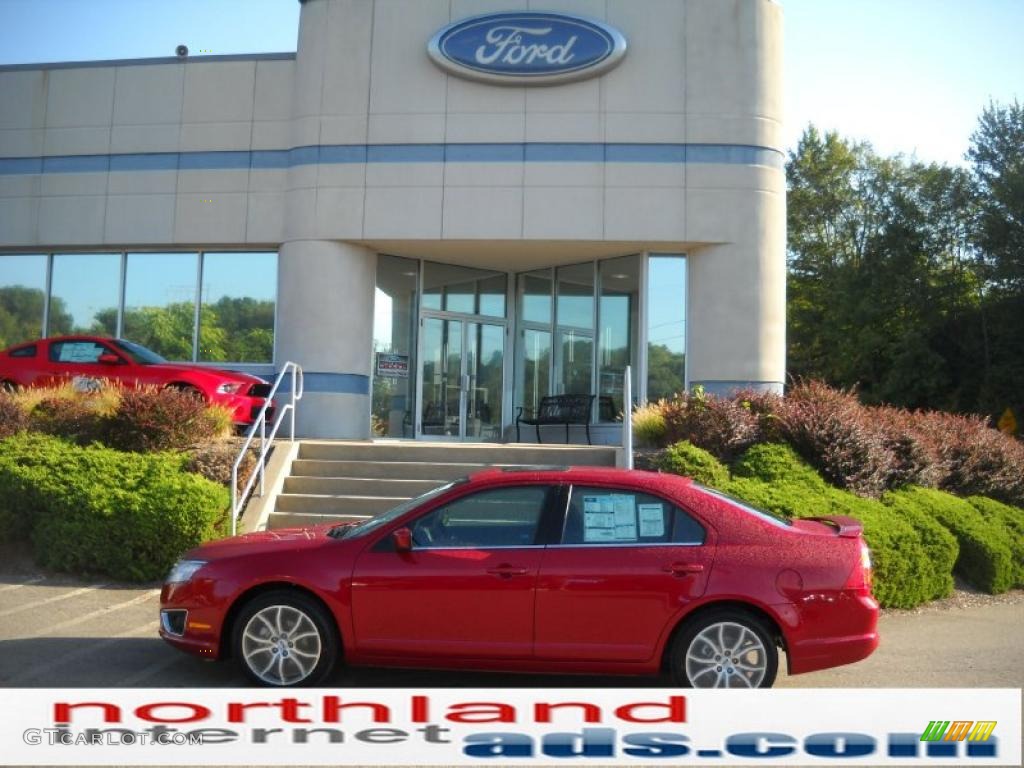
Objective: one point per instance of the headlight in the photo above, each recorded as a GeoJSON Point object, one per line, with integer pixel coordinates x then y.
{"type": "Point", "coordinates": [184, 570]}
{"type": "Point", "coordinates": [228, 388]}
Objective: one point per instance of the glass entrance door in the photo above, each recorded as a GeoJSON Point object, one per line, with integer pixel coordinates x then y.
{"type": "Point", "coordinates": [462, 379]}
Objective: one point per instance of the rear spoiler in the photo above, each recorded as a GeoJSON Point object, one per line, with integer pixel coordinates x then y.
{"type": "Point", "coordinates": [846, 527]}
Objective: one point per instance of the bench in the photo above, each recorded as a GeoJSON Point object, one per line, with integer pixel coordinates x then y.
{"type": "Point", "coordinates": [559, 409]}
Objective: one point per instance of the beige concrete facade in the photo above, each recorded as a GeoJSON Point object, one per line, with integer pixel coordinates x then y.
{"type": "Point", "coordinates": [358, 145]}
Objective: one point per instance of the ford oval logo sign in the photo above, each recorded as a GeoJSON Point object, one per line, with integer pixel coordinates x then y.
{"type": "Point", "coordinates": [527, 48]}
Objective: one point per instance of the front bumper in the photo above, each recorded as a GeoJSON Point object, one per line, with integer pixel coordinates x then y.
{"type": "Point", "coordinates": [198, 631]}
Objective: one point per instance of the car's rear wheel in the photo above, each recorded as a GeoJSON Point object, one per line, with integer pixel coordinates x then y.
{"type": "Point", "coordinates": [724, 649]}
{"type": "Point", "coordinates": [285, 638]}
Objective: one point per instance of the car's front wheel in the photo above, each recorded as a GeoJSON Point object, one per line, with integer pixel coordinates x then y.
{"type": "Point", "coordinates": [285, 638]}
{"type": "Point", "coordinates": [724, 649]}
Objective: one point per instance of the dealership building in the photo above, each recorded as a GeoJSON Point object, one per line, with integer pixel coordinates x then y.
{"type": "Point", "coordinates": [443, 210]}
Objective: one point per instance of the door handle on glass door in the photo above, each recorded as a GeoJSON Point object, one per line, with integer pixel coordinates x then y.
{"type": "Point", "coordinates": [683, 569]}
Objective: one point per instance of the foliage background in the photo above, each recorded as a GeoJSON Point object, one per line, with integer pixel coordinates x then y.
{"type": "Point", "coordinates": [907, 278]}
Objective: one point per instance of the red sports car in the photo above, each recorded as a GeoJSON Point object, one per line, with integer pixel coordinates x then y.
{"type": "Point", "coordinates": [581, 570]}
{"type": "Point", "coordinates": [87, 360]}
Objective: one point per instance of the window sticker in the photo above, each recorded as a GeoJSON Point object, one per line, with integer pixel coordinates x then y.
{"type": "Point", "coordinates": [625, 516]}
{"type": "Point", "coordinates": [78, 353]}
{"type": "Point", "coordinates": [598, 519]}
{"type": "Point", "coordinates": [652, 519]}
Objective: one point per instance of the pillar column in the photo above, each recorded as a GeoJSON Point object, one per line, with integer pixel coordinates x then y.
{"type": "Point", "coordinates": [325, 324]}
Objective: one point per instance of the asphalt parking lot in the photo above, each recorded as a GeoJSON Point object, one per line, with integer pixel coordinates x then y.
{"type": "Point", "coordinates": [60, 632]}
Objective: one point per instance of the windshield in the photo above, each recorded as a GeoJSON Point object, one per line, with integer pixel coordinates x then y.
{"type": "Point", "coordinates": [373, 523]}
{"type": "Point", "coordinates": [137, 352]}
{"type": "Point", "coordinates": [771, 517]}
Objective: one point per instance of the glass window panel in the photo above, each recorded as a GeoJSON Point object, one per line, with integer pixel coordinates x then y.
{"type": "Point", "coordinates": [666, 326]}
{"type": "Point", "coordinates": [575, 362]}
{"type": "Point", "coordinates": [236, 321]}
{"type": "Point", "coordinates": [442, 375]}
{"type": "Point", "coordinates": [493, 295]}
{"type": "Point", "coordinates": [504, 517]}
{"type": "Point", "coordinates": [536, 368]}
{"type": "Point", "coordinates": [535, 297]}
{"type": "Point", "coordinates": [394, 346]}
{"type": "Point", "coordinates": [159, 302]}
{"type": "Point", "coordinates": [450, 288]}
{"type": "Point", "coordinates": [22, 296]}
{"type": "Point", "coordinates": [85, 293]}
{"type": "Point", "coordinates": [485, 361]}
{"type": "Point", "coordinates": [619, 319]}
{"type": "Point", "coordinates": [576, 296]}
{"type": "Point", "coordinates": [606, 516]}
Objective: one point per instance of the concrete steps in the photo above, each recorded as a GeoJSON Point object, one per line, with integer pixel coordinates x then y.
{"type": "Point", "coordinates": [338, 481]}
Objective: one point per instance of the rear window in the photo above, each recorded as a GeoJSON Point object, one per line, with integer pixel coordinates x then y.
{"type": "Point", "coordinates": [771, 517]}
{"type": "Point", "coordinates": [620, 517]}
{"type": "Point", "coordinates": [29, 350]}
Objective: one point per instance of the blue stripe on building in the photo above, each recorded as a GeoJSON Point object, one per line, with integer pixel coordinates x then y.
{"type": "Point", "coordinates": [541, 152]}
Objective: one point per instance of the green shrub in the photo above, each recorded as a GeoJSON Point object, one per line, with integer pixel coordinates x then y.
{"type": "Point", "coordinates": [1012, 521]}
{"type": "Point", "coordinates": [777, 463]}
{"type": "Point", "coordinates": [162, 420]}
{"type": "Point", "coordinates": [686, 459]}
{"type": "Point", "coordinates": [649, 424]}
{"type": "Point", "coordinates": [985, 559]}
{"type": "Point", "coordinates": [96, 510]}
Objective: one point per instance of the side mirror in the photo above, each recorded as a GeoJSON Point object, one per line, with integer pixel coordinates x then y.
{"type": "Point", "coordinates": [403, 540]}
{"type": "Point", "coordinates": [109, 358]}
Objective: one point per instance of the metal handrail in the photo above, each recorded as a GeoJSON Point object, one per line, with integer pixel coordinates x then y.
{"type": "Point", "coordinates": [627, 418]}
{"type": "Point", "coordinates": [298, 386]}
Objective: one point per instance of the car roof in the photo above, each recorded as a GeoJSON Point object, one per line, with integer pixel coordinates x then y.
{"type": "Point", "coordinates": [560, 474]}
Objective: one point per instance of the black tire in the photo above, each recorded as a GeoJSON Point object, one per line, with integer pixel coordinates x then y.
{"type": "Point", "coordinates": [8, 386]}
{"type": "Point", "coordinates": [255, 636]}
{"type": "Point", "coordinates": [696, 662]}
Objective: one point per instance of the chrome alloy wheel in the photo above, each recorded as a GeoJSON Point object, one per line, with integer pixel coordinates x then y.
{"type": "Point", "coordinates": [281, 645]}
{"type": "Point", "coordinates": [726, 655]}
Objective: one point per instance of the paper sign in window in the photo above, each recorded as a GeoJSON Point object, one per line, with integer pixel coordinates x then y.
{"type": "Point", "coordinates": [625, 516]}
{"type": "Point", "coordinates": [652, 519]}
{"type": "Point", "coordinates": [598, 519]}
{"type": "Point", "coordinates": [78, 353]}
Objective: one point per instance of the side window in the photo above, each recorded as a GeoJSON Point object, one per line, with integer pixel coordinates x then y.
{"type": "Point", "coordinates": [27, 351]}
{"type": "Point", "coordinates": [501, 517]}
{"type": "Point", "coordinates": [76, 351]}
{"type": "Point", "coordinates": [611, 516]}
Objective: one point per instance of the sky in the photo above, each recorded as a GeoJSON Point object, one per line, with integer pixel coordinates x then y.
{"type": "Point", "coordinates": [910, 76]}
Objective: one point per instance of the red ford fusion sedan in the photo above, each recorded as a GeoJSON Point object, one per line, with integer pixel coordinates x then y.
{"type": "Point", "coordinates": [578, 570]}
{"type": "Point", "coordinates": [87, 360]}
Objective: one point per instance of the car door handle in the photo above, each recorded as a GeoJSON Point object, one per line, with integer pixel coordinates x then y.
{"type": "Point", "coordinates": [506, 571]}
{"type": "Point", "coordinates": [683, 569]}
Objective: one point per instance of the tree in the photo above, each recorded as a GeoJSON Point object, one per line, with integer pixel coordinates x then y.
{"type": "Point", "coordinates": [997, 157]}
{"type": "Point", "coordinates": [882, 280]}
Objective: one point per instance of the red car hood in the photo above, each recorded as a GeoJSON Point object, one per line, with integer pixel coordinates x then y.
{"type": "Point", "coordinates": [263, 542]}
{"type": "Point", "coordinates": [221, 374]}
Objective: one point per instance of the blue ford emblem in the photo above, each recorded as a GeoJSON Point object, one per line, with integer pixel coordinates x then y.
{"type": "Point", "coordinates": [527, 48]}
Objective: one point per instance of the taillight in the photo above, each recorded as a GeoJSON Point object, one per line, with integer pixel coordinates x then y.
{"type": "Point", "coordinates": [860, 577]}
